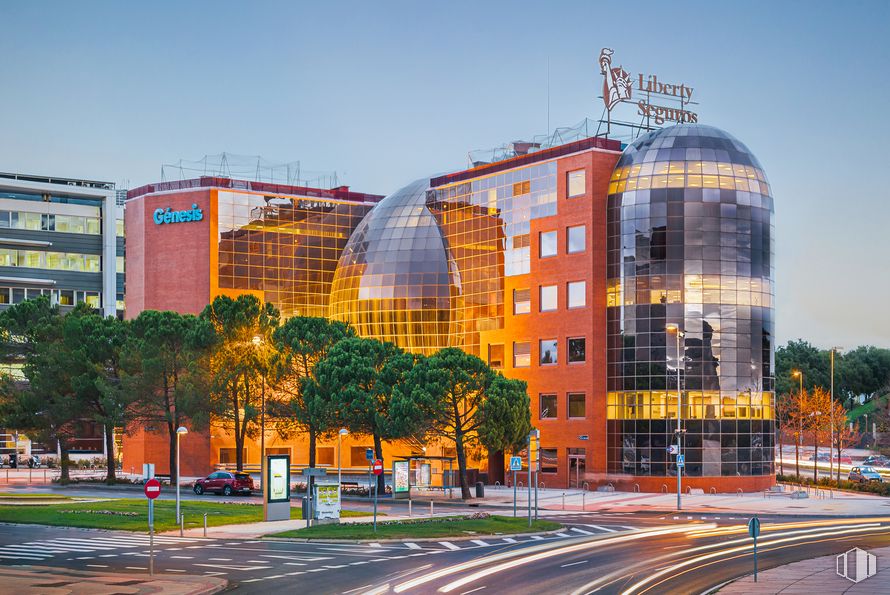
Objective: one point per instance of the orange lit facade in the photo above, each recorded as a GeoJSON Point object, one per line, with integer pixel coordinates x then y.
{"type": "Point", "coordinates": [551, 265]}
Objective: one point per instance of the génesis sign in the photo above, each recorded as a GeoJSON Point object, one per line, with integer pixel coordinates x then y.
{"type": "Point", "coordinates": [168, 215]}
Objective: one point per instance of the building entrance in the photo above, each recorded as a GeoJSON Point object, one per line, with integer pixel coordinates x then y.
{"type": "Point", "coordinates": [577, 467]}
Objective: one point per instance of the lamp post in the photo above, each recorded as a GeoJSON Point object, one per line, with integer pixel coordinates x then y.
{"type": "Point", "coordinates": [180, 432]}
{"type": "Point", "coordinates": [831, 423]}
{"type": "Point", "coordinates": [673, 328]}
{"type": "Point", "coordinates": [340, 434]}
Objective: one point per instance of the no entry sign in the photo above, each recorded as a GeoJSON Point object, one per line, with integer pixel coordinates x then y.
{"type": "Point", "coordinates": [378, 467]}
{"type": "Point", "coordinates": [152, 489]}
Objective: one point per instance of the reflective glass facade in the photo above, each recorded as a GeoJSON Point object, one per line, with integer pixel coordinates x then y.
{"type": "Point", "coordinates": [486, 222]}
{"type": "Point", "coordinates": [284, 246]}
{"type": "Point", "coordinates": [690, 243]}
{"type": "Point", "coordinates": [396, 280]}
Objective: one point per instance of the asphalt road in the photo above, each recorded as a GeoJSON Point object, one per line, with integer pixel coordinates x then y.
{"type": "Point", "coordinates": [608, 553]}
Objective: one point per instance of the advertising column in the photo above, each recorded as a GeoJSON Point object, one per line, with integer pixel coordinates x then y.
{"type": "Point", "coordinates": [276, 490]}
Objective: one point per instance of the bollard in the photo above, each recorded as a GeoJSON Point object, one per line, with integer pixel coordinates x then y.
{"type": "Point", "coordinates": [739, 493]}
{"type": "Point", "coordinates": [44, 476]}
{"type": "Point", "coordinates": [181, 524]}
{"type": "Point", "coordinates": [563, 500]}
{"type": "Point", "coordinates": [29, 475]}
{"type": "Point", "coordinates": [409, 508]}
{"type": "Point", "coordinates": [636, 488]}
{"type": "Point", "coordinates": [664, 488]}
{"type": "Point", "coordinates": [431, 508]}
{"type": "Point", "coordinates": [205, 524]}
{"type": "Point", "coordinates": [583, 498]}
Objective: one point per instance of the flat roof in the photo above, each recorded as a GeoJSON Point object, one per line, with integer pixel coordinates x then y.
{"type": "Point", "coordinates": [340, 192]}
{"type": "Point", "coordinates": [594, 142]}
{"type": "Point", "coordinates": [57, 180]}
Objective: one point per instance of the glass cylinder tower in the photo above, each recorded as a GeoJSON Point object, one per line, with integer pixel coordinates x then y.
{"type": "Point", "coordinates": [690, 257]}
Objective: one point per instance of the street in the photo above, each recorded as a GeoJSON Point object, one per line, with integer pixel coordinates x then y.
{"type": "Point", "coordinates": [610, 553]}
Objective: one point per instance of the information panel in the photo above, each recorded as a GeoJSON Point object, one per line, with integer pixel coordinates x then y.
{"type": "Point", "coordinates": [400, 477]}
{"type": "Point", "coordinates": [327, 501]}
{"type": "Point", "coordinates": [278, 480]}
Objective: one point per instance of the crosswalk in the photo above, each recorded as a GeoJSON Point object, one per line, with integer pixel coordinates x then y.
{"type": "Point", "coordinates": [571, 530]}
{"type": "Point", "coordinates": [104, 546]}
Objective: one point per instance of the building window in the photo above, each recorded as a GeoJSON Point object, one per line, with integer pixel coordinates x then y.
{"type": "Point", "coordinates": [576, 239]}
{"type": "Point", "coordinates": [576, 183]}
{"type": "Point", "coordinates": [549, 461]}
{"type": "Point", "coordinates": [496, 356]}
{"type": "Point", "coordinates": [227, 456]}
{"type": "Point", "coordinates": [548, 352]}
{"type": "Point", "coordinates": [520, 188]}
{"type": "Point", "coordinates": [577, 406]}
{"type": "Point", "coordinates": [66, 297]}
{"type": "Point", "coordinates": [577, 350]}
{"type": "Point", "coordinates": [357, 456]}
{"type": "Point", "coordinates": [548, 298]}
{"type": "Point", "coordinates": [522, 354]}
{"type": "Point", "coordinates": [577, 294]}
{"type": "Point", "coordinates": [522, 301]}
{"type": "Point", "coordinates": [547, 404]}
{"type": "Point", "coordinates": [548, 244]}
{"type": "Point", "coordinates": [324, 456]}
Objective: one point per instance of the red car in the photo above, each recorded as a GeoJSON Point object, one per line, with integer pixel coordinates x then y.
{"type": "Point", "coordinates": [225, 483]}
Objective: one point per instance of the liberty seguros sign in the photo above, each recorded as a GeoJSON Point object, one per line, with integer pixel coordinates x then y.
{"type": "Point", "coordinates": [619, 86]}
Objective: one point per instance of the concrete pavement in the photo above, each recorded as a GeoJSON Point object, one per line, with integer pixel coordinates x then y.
{"type": "Point", "coordinates": [818, 575]}
{"type": "Point", "coordinates": [64, 581]}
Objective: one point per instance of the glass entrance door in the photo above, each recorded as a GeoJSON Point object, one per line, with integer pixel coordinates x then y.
{"type": "Point", "coordinates": [577, 467]}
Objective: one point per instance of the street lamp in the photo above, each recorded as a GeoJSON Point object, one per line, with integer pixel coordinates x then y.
{"type": "Point", "coordinates": [673, 328]}
{"type": "Point", "coordinates": [799, 375]}
{"type": "Point", "coordinates": [340, 434]}
{"type": "Point", "coordinates": [831, 424]}
{"type": "Point", "coordinates": [180, 431]}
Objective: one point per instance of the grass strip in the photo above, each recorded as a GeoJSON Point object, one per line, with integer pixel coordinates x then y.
{"type": "Point", "coordinates": [129, 514]}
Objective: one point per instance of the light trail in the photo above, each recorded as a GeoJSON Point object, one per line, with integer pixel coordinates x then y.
{"type": "Point", "coordinates": [765, 544]}
{"type": "Point", "coordinates": [544, 555]}
{"type": "Point", "coordinates": [611, 577]}
{"type": "Point", "coordinates": [559, 547]}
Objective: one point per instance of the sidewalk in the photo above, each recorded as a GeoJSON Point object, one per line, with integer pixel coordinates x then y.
{"type": "Point", "coordinates": [841, 504]}
{"type": "Point", "coordinates": [62, 581]}
{"type": "Point", "coordinates": [818, 575]}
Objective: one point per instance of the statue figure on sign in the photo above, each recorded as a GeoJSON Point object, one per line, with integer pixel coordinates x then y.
{"type": "Point", "coordinates": [616, 81]}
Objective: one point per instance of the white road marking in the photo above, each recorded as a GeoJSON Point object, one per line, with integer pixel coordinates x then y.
{"type": "Point", "coordinates": [412, 546]}
{"type": "Point", "coordinates": [601, 528]}
{"type": "Point", "coordinates": [573, 564]}
{"type": "Point", "coordinates": [175, 570]}
{"type": "Point", "coordinates": [473, 590]}
{"type": "Point", "coordinates": [97, 565]}
{"type": "Point", "coordinates": [220, 559]}
{"type": "Point", "coordinates": [182, 557]}
{"type": "Point", "coordinates": [509, 540]}
{"type": "Point", "coordinates": [629, 527]}
{"type": "Point", "coordinates": [537, 537]}
{"type": "Point", "coordinates": [136, 567]}
{"type": "Point", "coordinates": [449, 545]}
{"type": "Point", "coordinates": [480, 542]}
{"type": "Point", "coordinates": [581, 531]}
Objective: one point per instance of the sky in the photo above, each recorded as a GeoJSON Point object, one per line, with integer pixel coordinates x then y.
{"type": "Point", "coordinates": [387, 92]}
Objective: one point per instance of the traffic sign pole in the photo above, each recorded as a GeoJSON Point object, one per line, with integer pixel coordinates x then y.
{"type": "Point", "coordinates": [754, 531]}
{"type": "Point", "coordinates": [152, 490]}
{"type": "Point", "coordinates": [514, 494]}
{"type": "Point", "coordinates": [529, 501]}
{"type": "Point", "coordinates": [378, 470]}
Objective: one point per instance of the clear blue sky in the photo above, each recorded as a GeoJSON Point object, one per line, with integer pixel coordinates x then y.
{"type": "Point", "coordinates": [384, 92]}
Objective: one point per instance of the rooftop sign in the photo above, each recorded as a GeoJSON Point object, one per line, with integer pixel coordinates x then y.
{"type": "Point", "coordinates": [163, 216]}
{"type": "Point", "coordinates": [619, 86]}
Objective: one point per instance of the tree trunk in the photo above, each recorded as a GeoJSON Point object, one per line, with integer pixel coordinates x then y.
{"type": "Point", "coordinates": [462, 465]}
{"type": "Point", "coordinates": [797, 455]}
{"type": "Point", "coordinates": [110, 462]}
{"type": "Point", "coordinates": [381, 479]}
{"type": "Point", "coordinates": [64, 462]}
{"type": "Point", "coordinates": [816, 457]}
{"type": "Point", "coordinates": [172, 449]}
{"type": "Point", "coordinates": [838, 462]}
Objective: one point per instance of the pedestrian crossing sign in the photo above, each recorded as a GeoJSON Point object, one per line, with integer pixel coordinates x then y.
{"type": "Point", "coordinates": [515, 463]}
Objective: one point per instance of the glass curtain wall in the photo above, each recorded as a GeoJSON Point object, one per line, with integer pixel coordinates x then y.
{"type": "Point", "coordinates": [691, 244]}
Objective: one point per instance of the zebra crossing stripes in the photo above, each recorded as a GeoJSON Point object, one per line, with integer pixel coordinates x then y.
{"type": "Point", "coordinates": [102, 546]}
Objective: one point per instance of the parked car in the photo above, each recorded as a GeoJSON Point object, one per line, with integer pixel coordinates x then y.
{"type": "Point", "coordinates": [876, 461]}
{"type": "Point", "coordinates": [864, 475]}
{"type": "Point", "coordinates": [225, 483]}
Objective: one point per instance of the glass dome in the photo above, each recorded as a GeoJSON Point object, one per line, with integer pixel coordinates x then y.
{"type": "Point", "coordinates": [396, 280]}
{"type": "Point", "coordinates": [690, 247]}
